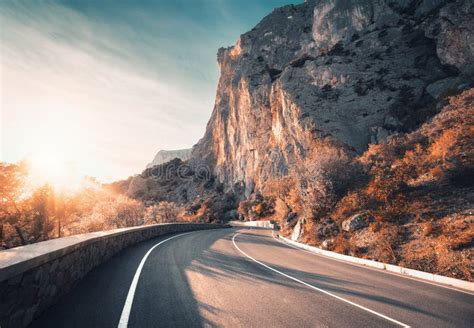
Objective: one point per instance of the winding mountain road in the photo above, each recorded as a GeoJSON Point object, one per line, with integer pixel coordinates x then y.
{"type": "Point", "coordinates": [247, 278]}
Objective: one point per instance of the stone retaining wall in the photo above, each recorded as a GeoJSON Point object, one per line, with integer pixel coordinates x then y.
{"type": "Point", "coordinates": [34, 277]}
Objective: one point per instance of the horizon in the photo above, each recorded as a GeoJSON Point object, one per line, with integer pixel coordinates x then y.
{"type": "Point", "coordinates": [122, 82]}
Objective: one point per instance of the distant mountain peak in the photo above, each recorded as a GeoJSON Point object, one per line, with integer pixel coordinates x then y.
{"type": "Point", "coordinates": [164, 156]}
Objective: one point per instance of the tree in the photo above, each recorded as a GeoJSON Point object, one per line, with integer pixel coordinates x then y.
{"type": "Point", "coordinates": [163, 212]}
{"type": "Point", "coordinates": [40, 221]}
{"type": "Point", "coordinates": [324, 177]}
{"type": "Point", "coordinates": [129, 212]}
{"type": "Point", "coordinates": [12, 181]}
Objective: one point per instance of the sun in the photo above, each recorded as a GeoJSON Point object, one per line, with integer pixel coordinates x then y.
{"type": "Point", "coordinates": [52, 167]}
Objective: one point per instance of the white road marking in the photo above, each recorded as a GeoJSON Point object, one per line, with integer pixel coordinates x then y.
{"type": "Point", "coordinates": [318, 289]}
{"type": "Point", "coordinates": [370, 268]}
{"type": "Point", "coordinates": [123, 323]}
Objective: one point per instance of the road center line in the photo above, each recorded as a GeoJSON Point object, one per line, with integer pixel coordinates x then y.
{"type": "Point", "coordinates": [123, 323]}
{"type": "Point", "coordinates": [316, 288]}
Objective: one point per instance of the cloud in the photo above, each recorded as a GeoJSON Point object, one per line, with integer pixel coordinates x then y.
{"type": "Point", "coordinates": [63, 79]}
{"type": "Point", "coordinates": [109, 83]}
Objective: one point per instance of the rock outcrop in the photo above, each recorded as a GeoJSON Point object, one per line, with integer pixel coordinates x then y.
{"type": "Point", "coordinates": [357, 221]}
{"type": "Point", "coordinates": [354, 72]}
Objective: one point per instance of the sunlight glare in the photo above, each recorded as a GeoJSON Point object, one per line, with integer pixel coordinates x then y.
{"type": "Point", "coordinates": [50, 166]}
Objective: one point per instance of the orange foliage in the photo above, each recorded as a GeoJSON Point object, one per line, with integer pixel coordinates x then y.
{"type": "Point", "coordinates": [442, 146]}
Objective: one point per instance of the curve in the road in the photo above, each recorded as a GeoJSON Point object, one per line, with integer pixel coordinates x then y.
{"type": "Point", "coordinates": [316, 288]}
{"type": "Point", "coordinates": [203, 279]}
{"type": "Point", "coordinates": [373, 269]}
{"type": "Point", "coordinates": [123, 323]}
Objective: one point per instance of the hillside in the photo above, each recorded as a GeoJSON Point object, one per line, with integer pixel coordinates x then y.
{"type": "Point", "coordinates": [349, 73]}
{"type": "Point", "coordinates": [414, 204]}
{"type": "Point", "coordinates": [329, 119]}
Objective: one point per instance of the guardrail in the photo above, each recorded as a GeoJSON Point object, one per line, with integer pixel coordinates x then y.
{"type": "Point", "coordinates": [34, 277]}
{"type": "Point", "coordinates": [257, 224]}
{"type": "Point", "coordinates": [458, 283]}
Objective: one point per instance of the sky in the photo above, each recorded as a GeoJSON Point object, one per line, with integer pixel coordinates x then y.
{"type": "Point", "coordinates": [100, 86]}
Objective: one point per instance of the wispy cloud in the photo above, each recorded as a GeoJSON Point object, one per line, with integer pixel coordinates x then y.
{"type": "Point", "coordinates": [110, 82]}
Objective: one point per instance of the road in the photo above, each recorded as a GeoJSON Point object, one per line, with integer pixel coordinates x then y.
{"type": "Point", "coordinates": [247, 278]}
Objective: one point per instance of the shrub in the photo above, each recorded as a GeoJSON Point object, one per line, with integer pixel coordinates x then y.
{"type": "Point", "coordinates": [325, 175]}
{"type": "Point", "coordinates": [441, 147]}
{"type": "Point", "coordinates": [163, 212]}
{"type": "Point", "coordinates": [257, 207]}
{"type": "Point", "coordinates": [341, 245]}
{"type": "Point", "coordinates": [427, 228]}
{"type": "Point", "coordinates": [384, 245]}
{"type": "Point", "coordinates": [281, 211]}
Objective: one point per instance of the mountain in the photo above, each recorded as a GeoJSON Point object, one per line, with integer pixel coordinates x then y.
{"type": "Point", "coordinates": [164, 156]}
{"type": "Point", "coordinates": [330, 72]}
{"type": "Point", "coordinates": [353, 72]}
{"type": "Point", "coordinates": [348, 122]}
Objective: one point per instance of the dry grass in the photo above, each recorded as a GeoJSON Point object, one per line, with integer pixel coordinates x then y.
{"type": "Point", "coordinates": [418, 186]}
{"type": "Point", "coordinates": [342, 245]}
{"type": "Point", "coordinates": [427, 228]}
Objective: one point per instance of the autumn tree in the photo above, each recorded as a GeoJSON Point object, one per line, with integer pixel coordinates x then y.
{"type": "Point", "coordinates": [12, 180]}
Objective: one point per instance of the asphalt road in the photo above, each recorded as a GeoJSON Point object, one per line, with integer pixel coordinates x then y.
{"type": "Point", "coordinates": [246, 278]}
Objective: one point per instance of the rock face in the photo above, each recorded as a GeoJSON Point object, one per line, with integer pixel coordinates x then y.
{"type": "Point", "coordinates": [354, 72]}
{"type": "Point", "coordinates": [346, 72]}
{"type": "Point", "coordinates": [164, 156]}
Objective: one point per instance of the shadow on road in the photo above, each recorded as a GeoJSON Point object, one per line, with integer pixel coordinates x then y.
{"type": "Point", "coordinates": [340, 287]}
{"type": "Point", "coordinates": [164, 294]}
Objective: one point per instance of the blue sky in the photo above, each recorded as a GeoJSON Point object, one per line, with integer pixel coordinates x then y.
{"type": "Point", "coordinates": [103, 84]}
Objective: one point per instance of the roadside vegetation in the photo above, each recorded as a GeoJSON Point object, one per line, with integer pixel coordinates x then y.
{"type": "Point", "coordinates": [30, 214]}
{"type": "Point", "coordinates": [408, 201]}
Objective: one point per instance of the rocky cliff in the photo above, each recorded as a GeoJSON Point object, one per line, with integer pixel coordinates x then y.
{"type": "Point", "coordinates": [349, 73]}
{"type": "Point", "coordinates": [353, 72]}
{"type": "Point", "coordinates": [334, 118]}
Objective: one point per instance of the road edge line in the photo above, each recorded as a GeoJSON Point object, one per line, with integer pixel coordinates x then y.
{"type": "Point", "coordinates": [426, 277]}
{"type": "Point", "coordinates": [317, 288]}
{"type": "Point", "coordinates": [127, 307]}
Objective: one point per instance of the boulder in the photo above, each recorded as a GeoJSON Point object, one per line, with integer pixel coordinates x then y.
{"type": "Point", "coordinates": [357, 222]}
{"type": "Point", "coordinates": [453, 28]}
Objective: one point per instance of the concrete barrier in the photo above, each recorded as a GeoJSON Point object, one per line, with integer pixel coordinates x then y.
{"type": "Point", "coordinates": [35, 276]}
{"type": "Point", "coordinates": [256, 224]}
{"type": "Point", "coordinates": [458, 283]}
